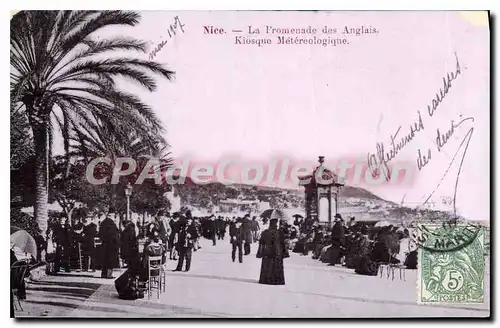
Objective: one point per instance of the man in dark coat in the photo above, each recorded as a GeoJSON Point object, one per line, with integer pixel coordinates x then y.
{"type": "Point", "coordinates": [247, 233]}
{"type": "Point", "coordinates": [338, 240]}
{"type": "Point", "coordinates": [212, 227]}
{"type": "Point", "coordinates": [272, 251]}
{"type": "Point", "coordinates": [89, 232]}
{"type": "Point", "coordinates": [221, 228]}
{"type": "Point", "coordinates": [109, 235]}
{"type": "Point", "coordinates": [185, 243]}
{"type": "Point", "coordinates": [237, 238]}
{"type": "Point", "coordinates": [174, 234]}
{"type": "Point", "coordinates": [317, 242]}
{"type": "Point", "coordinates": [255, 229]}
{"type": "Point", "coordinates": [163, 227]}
{"type": "Point", "coordinates": [63, 238]}
{"type": "Point", "coordinates": [76, 247]}
{"type": "Point", "coordinates": [129, 245]}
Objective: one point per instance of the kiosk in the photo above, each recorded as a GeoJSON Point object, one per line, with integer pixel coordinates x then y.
{"type": "Point", "coordinates": [321, 194]}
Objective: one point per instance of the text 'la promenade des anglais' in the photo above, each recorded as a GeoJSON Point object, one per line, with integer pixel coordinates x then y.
{"type": "Point", "coordinates": [324, 36]}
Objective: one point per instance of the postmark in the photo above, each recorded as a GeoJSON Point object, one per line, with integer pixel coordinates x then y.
{"type": "Point", "coordinates": [446, 236]}
{"type": "Point", "coordinates": [451, 266]}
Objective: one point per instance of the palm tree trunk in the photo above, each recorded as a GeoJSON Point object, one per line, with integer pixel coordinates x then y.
{"type": "Point", "coordinates": [113, 197]}
{"type": "Point", "coordinates": [113, 186]}
{"type": "Point", "coordinates": [41, 143]}
{"type": "Point", "coordinates": [70, 221]}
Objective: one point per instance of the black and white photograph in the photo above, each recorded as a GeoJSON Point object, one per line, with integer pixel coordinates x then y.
{"type": "Point", "coordinates": [249, 164]}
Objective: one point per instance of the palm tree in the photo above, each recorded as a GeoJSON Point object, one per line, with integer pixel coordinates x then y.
{"type": "Point", "coordinates": [99, 141]}
{"type": "Point", "coordinates": [63, 78]}
{"type": "Point", "coordinates": [21, 142]}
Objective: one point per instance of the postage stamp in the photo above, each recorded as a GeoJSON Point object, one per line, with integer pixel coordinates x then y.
{"type": "Point", "coordinates": [452, 264]}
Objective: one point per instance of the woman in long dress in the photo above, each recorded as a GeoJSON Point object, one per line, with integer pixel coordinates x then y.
{"type": "Point", "coordinates": [272, 250]}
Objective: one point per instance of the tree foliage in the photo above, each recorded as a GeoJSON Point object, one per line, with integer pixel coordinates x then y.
{"type": "Point", "coordinates": [63, 78]}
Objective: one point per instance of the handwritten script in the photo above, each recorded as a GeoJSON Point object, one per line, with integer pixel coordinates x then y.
{"type": "Point", "coordinates": [172, 30]}
{"type": "Point", "coordinates": [378, 162]}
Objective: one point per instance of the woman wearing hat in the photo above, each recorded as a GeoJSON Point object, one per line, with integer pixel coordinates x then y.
{"type": "Point", "coordinates": [272, 251]}
{"type": "Point", "coordinates": [338, 240]}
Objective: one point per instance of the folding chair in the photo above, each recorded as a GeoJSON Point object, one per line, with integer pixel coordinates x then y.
{"type": "Point", "coordinates": [402, 271]}
{"type": "Point", "coordinates": [387, 268]}
{"type": "Point", "coordinates": [18, 271]}
{"type": "Point", "coordinates": [156, 276]}
{"type": "Point", "coordinates": [391, 269]}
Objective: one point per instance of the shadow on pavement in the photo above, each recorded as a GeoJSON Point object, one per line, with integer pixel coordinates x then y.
{"type": "Point", "coordinates": [204, 276]}
{"type": "Point", "coordinates": [81, 285]}
{"type": "Point", "coordinates": [60, 274]}
{"type": "Point", "coordinates": [58, 293]}
{"type": "Point", "coordinates": [80, 307]}
{"type": "Point", "coordinates": [140, 308]}
{"type": "Point", "coordinates": [54, 303]}
{"type": "Point", "coordinates": [83, 290]}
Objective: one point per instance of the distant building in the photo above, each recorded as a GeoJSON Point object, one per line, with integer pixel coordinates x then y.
{"type": "Point", "coordinates": [238, 205]}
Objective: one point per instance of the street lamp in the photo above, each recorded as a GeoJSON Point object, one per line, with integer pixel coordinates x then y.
{"type": "Point", "coordinates": [128, 193]}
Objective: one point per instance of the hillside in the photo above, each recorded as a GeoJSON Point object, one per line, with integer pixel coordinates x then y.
{"type": "Point", "coordinates": [354, 192]}
{"type": "Point", "coordinates": [208, 195]}
{"type": "Point", "coordinates": [353, 201]}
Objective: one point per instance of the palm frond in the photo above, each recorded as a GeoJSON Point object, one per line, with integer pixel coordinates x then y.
{"type": "Point", "coordinates": [133, 69]}
{"type": "Point", "coordinates": [55, 71]}
{"type": "Point", "coordinates": [102, 19]}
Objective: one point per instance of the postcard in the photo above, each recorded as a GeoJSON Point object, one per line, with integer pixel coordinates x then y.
{"type": "Point", "coordinates": [250, 164]}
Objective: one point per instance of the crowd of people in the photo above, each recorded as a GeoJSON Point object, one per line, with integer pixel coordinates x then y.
{"type": "Point", "coordinates": [104, 245]}
{"type": "Point", "coordinates": [355, 245]}
{"type": "Point", "coordinates": [99, 243]}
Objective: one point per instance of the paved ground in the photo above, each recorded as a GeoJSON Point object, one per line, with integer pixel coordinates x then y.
{"type": "Point", "coordinates": [217, 287]}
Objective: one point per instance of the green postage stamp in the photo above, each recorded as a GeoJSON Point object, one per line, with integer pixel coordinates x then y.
{"type": "Point", "coordinates": [451, 268]}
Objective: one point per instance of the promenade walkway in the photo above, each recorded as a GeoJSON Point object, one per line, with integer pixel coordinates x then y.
{"type": "Point", "coordinates": [218, 288]}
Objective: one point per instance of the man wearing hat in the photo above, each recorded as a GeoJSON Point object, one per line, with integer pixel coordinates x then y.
{"type": "Point", "coordinates": [89, 232]}
{"type": "Point", "coordinates": [247, 233]}
{"type": "Point", "coordinates": [109, 235]}
{"type": "Point", "coordinates": [237, 237]}
{"type": "Point", "coordinates": [63, 238]}
{"type": "Point", "coordinates": [338, 240]}
{"type": "Point", "coordinates": [185, 243]}
{"type": "Point", "coordinates": [163, 226]}
{"type": "Point", "coordinates": [212, 228]}
{"type": "Point", "coordinates": [221, 228]}
{"type": "Point", "coordinates": [255, 229]}
{"type": "Point", "coordinates": [174, 231]}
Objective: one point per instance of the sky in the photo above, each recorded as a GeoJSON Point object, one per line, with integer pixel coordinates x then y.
{"type": "Point", "coordinates": [303, 101]}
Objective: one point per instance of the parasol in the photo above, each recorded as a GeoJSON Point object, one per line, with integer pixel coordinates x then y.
{"type": "Point", "coordinates": [381, 224]}
{"type": "Point", "coordinates": [291, 214]}
{"type": "Point", "coordinates": [266, 214]}
{"type": "Point", "coordinates": [22, 240]}
{"type": "Point", "coordinates": [273, 214]}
